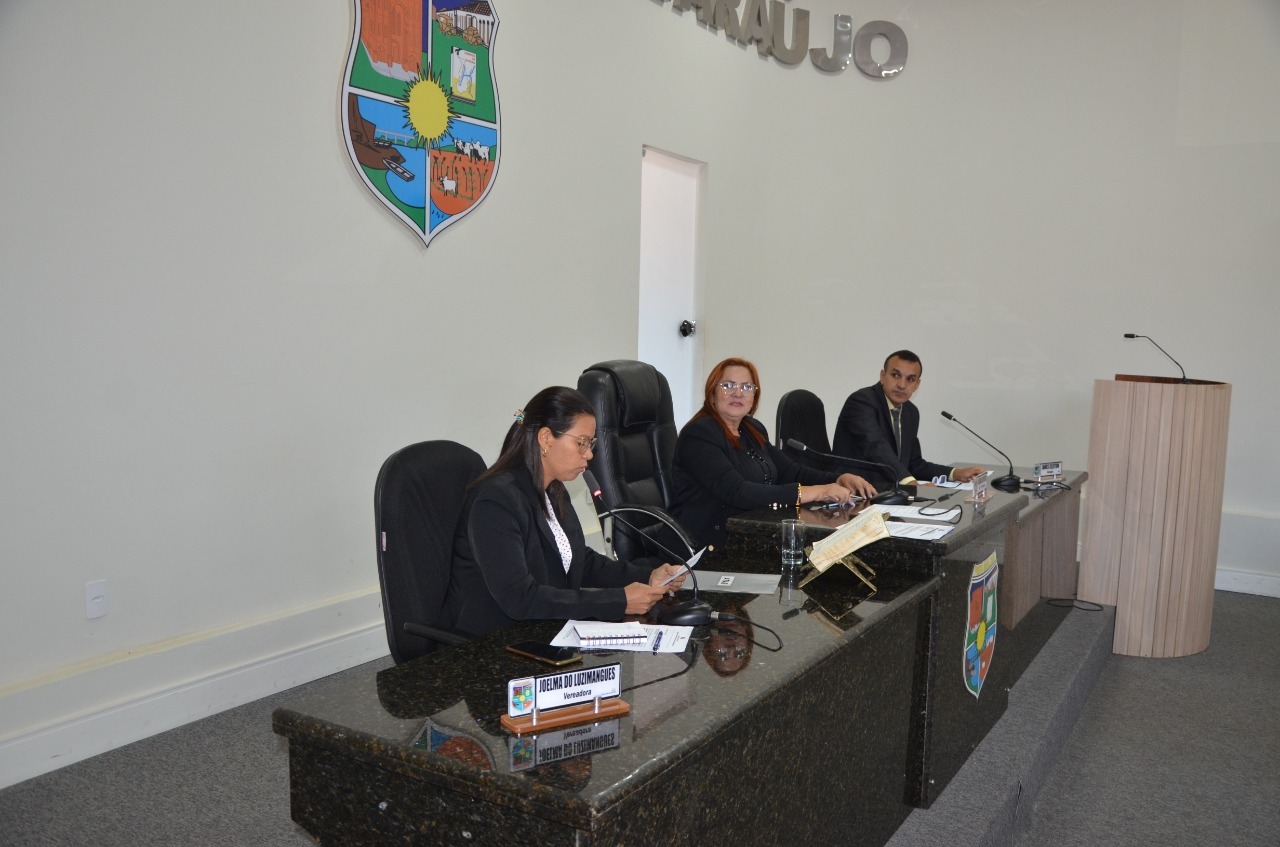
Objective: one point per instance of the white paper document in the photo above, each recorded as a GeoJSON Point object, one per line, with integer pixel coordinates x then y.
{"type": "Point", "coordinates": [745, 583]}
{"type": "Point", "coordinates": [918, 531]}
{"type": "Point", "coordinates": [658, 639]}
{"type": "Point", "coordinates": [684, 569]}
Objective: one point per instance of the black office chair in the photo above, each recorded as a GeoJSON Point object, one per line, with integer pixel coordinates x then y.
{"type": "Point", "coordinates": [802, 416]}
{"type": "Point", "coordinates": [417, 501]}
{"type": "Point", "coordinates": [635, 447]}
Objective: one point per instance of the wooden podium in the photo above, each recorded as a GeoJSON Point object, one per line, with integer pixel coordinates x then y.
{"type": "Point", "coordinates": [1157, 456]}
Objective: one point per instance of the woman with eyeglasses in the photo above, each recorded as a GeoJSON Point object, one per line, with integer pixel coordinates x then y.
{"type": "Point", "coordinates": [725, 464]}
{"type": "Point", "coordinates": [519, 552]}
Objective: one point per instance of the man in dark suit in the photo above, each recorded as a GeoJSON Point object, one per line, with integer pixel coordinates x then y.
{"type": "Point", "coordinates": [879, 423]}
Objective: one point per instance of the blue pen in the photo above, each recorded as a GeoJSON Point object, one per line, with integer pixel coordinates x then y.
{"type": "Point", "coordinates": [656, 642]}
{"type": "Point", "coordinates": [826, 507]}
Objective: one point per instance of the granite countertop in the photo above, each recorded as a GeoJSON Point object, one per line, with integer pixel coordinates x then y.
{"type": "Point", "coordinates": [974, 520]}
{"type": "Point", "coordinates": [437, 718]}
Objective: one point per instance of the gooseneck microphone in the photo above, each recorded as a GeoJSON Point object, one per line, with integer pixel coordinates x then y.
{"type": "Point", "coordinates": [1162, 350]}
{"type": "Point", "coordinates": [693, 612]}
{"type": "Point", "coordinates": [897, 497]}
{"type": "Point", "coordinates": [1010, 481]}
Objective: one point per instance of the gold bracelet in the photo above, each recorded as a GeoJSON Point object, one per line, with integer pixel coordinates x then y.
{"type": "Point", "coordinates": [797, 494]}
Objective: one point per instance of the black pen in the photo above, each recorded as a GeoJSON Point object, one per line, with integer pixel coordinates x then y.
{"type": "Point", "coordinates": [656, 642]}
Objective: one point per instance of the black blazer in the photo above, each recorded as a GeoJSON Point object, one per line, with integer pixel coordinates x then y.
{"type": "Point", "coordinates": [507, 567]}
{"type": "Point", "coordinates": [865, 431]}
{"type": "Point", "coordinates": [713, 481]}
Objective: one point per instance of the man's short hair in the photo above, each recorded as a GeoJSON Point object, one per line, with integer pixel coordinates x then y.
{"type": "Point", "coordinates": [904, 355]}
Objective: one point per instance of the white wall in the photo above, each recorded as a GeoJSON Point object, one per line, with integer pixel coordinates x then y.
{"type": "Point", "coordinates": [212, 335]}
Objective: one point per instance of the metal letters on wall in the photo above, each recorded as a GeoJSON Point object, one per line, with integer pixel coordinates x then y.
{"type": "Point", "coordinates": [420, 107]}
{"type": "Point", "coordinates": [764, 24]}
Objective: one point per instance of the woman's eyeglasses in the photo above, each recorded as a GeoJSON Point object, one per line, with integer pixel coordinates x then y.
{"type": "Point", "coordinates": [585, 444]}
{"type": "Point", "coordinates": [728, 387]}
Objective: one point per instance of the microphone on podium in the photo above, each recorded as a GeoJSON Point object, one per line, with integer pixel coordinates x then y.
{"type": "Point", "coordinates": [896, 497]}
{"type": "Point", "coordinates": [693, 612]}
{"type": "Point", "coordinates": [1008, 482]}
{"type": "Point", "coordinates": [1162, 350]}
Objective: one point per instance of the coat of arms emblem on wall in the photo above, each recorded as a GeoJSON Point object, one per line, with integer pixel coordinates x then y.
{"type": "Point", "coordinates": [420, 107]}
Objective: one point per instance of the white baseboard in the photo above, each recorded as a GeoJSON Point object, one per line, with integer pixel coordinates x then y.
{"type": "Point", "coordinates": [1243, 582]}
{"type": "Point", "coordinates": [1249, 553]}
{"type": "Point", "coordinates": [62, 720]}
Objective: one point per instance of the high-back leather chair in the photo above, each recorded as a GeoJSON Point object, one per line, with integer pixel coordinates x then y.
{"type": "Point", "coordinates": [417, 502]}
{"type": "Point", "coordinates": [802, 416]}
{"type": "Point", "coordinates": [635, 447]}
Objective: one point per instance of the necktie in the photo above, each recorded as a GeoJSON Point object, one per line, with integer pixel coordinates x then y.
{"type": "Point", "coordinates": [896, 414]}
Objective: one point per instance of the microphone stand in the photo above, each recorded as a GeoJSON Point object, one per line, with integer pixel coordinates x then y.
{"type": "Point", "coordinates": [1162, 350]}
{"type": "Point", "coordinates": [645, 537]}
{"type": "Point", "coordinates": [695, 612]}
{"type": "Point", "coordinates": [899, 496]}
{"type": "Point", "coordinates": [1010, 481]}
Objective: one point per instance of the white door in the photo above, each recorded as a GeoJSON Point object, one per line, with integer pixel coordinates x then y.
{"type": "Point", "coordinates": [671, 189]}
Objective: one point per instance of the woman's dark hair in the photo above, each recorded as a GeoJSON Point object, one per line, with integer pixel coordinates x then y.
{"type": "Point", "coordinates": [556, 408]}
{"type": "Point", "coordinates": [709, 399]}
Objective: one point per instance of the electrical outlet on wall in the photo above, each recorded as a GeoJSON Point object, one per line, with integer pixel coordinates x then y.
{"type": "Point", "coordinates": [95, 599]}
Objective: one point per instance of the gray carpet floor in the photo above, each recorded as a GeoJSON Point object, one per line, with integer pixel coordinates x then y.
{"type": "Point", "coordinates": [1168, 752]}
{"type": "Point", "coordinates": [1176, 751]}
{"type": "Point", "coordinates": [222, 781]}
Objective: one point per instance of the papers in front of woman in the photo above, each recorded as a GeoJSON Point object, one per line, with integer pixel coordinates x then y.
{"type": "Point", "coordinates": [904, 513]}
{"type": "Point", "coordinates": [919, 531]}
{"type": "Point", "coordinates": [904, 527]}
{"type": "Point", "coordinates": [630, 636]}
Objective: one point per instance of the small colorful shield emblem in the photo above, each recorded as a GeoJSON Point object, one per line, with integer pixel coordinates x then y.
{"type": "Point", "coordinates": [420, 107]}
{"type": "Point", "coordinates": [980, 634]}
{"type": "Point", "coordinates": [521, 695]}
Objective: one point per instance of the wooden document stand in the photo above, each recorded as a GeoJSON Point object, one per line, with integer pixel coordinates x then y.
{"type": "Point", "coordinates": [1157, 456]}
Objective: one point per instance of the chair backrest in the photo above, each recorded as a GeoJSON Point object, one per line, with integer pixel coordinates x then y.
{"type": "Point", "coordinates": [802, 416]}
{"type": "Point", "coordinates": [417, 501]}
{"type": "Point", "coordinates": [635, 439]}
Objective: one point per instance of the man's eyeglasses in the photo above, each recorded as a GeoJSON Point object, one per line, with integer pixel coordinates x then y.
{"type": "Point", "coordinates": [585, 444]}
{"type": "Point", "coordinates": [728, 387]}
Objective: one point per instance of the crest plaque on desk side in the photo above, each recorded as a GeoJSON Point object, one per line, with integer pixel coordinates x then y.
{"type": "Point", "coordinates": [980, 634]}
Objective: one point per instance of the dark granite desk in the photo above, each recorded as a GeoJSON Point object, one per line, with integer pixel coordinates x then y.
{"type": "Point", "coordinates": [948, 721]}
{"type": "Point", "coordinates": [728, 741]}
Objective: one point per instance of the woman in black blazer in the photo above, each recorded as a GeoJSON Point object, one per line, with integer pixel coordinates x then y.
{"type": "Point", "coordinates": [519, 552]}
{"type": "Point", "coordinates": [725, 465]}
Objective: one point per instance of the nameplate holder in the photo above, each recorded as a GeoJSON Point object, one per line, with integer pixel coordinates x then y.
{"type": "Point", "coordinates": [1047, 472]}
{"type": "Point", "coordinates": [981, 488]}
{"type": "Point", "coordinates": [535, 703]}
